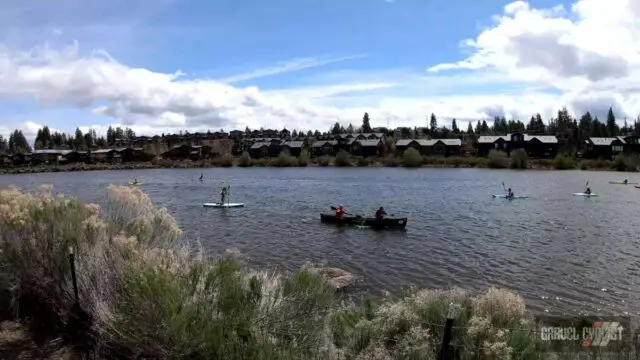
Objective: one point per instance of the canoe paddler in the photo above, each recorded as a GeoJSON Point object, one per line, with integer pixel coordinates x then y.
{"type": "Point", "coordinates": [380, 213]}
{"type": "Point", "coordinates": [509, 193]}
{"type": "Point", "coordinates": [340, 211]}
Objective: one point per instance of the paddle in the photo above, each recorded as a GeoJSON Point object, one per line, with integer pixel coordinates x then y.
{"type": "Point", "coordinates": [228, 192]}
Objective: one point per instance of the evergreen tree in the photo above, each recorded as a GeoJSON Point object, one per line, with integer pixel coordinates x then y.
{"type": "Point", "coordinates": [454, 126]}
{"type": "Point", "coordinates": [366, 125]}
{"type": "Point", "coordinates": [78, 140]}
{"type": "Point", "coordinates": [335, 130]}
{"type": "Point", "coordinates": [612, 127]}
{"type": "Point", "coordinates": [350, 129]}
{"type": "Point", "coordinates": [470, 128]}
{"type": "Point", "coordinates": [433, 123]}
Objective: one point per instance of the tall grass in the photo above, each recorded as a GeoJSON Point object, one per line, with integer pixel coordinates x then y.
{"type": "Point", "coordinates": [150, 294]}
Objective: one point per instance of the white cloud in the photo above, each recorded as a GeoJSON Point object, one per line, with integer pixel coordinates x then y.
{"type": "Point", "coordinates": [289, 66]}
{"type": "Point", "coordinates": [588, 54]}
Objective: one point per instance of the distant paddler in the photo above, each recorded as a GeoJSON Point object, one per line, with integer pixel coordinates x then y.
{"type": "Point", "coordinates": [201, 177]}
{"type": "Point", "coordinates": [223, 195]}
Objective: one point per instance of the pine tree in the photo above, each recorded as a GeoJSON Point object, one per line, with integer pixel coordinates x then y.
{"type": "Point", "coordinates": [366, 125]}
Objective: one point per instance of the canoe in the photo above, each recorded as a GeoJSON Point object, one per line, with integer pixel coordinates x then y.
{"type": "Point", "coordinates": [510, 198]}
{"type": "Point", "coordinates": [621, 183]}
{"type": "Point", "coordinates": [222, 206]}
{"type": "Point", "coordinates": [583, 194]}
{"type": "Point", "coordinates": [384, 224]}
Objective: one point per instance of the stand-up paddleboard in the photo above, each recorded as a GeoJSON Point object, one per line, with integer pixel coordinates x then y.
{"type": "Point", "coordinates": [584, 194]}
{"type": "Point", "coordinates": [512, 197]}
{"type": "Point", "coordinates": [225, 205]}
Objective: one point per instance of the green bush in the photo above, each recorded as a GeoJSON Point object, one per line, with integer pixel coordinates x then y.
{"type": "Point", "coordinates": [284, 160]}
{"type": "Point", "coordinates": [324, 161]}
{"type": "Point", "coordinates": [497, 159]}
{"type": "Point", "coordinates": [362, 161]}
{"type": "Point", "coordinates": [519, 159]}
{"type": "Point", "coordinates": [391, 161]}
{"type": "Point", "coordinates": [303, 159]}
{"type": "Point", "coordinates": [620, 163]}
{"type": "Point", "coordinates": [411, 158]}
{"type": "Point", "coordinates": [562, 162]}
{"type": "Point", "coordinates": [245, 160]}
{"type": "Point", "coordinates": [342, 159]}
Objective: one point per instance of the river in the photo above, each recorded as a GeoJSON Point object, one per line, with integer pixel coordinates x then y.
{"type": "Point", "coordinates": [563, 253]}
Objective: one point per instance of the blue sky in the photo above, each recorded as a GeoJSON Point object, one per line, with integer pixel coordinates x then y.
{"type": "Point", "coordinates": [313, 62]}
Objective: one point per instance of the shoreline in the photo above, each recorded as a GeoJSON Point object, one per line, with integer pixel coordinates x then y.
{"type": "Point", "coordinates": [433, 163]}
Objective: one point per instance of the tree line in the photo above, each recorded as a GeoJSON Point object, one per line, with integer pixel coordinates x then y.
{"type": "Point", "coordinates": [570, 130]}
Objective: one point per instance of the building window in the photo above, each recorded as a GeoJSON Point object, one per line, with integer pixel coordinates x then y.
{"type": "Point", "coordinates": [617, 148]}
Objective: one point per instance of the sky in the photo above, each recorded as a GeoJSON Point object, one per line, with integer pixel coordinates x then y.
{"type": "Point", "coordinates": [161, 66]}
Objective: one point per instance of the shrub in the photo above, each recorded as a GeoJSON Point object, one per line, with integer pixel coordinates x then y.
{"type": "Point", "coordinates": [411, 158]}
{"type": "Point", "coordinates": [303, 159]}
{"type": "Point", "coordinates": [284, 160]}
{"type": "Point", "coordinates": [363, 161]}
{"type": "Point", "coordinates": [620, 163]}
{"type": "Point", "coordinates": [562, 163]}
{"type": "Point", "coordinates": [519, 159]}
{"type": "Point", "coordinates": [223, 160]}
{"type": "Point", "coordinates": [245, 160]}
{"type": "Point", "coordinates": [497, 159]}
{"type": "Point", "coordinates": [632, 162]}
{"type": "Point", "coordinates": [342, 159]}
{"type": "Point", "coordinates": [324, 160]}
{"type": "Point", "coordinates": [391, 161]}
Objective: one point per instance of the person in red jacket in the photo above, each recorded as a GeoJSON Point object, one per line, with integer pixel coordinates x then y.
{"type": "Point", "coordinates": [340, 211]}
{"type": "Point", "coordinates": [380, 213]}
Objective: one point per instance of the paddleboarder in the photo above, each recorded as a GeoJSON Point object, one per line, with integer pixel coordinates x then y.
{"type": "Point", "coordinates": [223, 195]}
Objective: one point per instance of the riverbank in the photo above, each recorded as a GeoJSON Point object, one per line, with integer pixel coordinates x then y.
{"type": "Point", "coordinates": [145, 292]}
{"type": "Point", "coordinates": [494, 162]}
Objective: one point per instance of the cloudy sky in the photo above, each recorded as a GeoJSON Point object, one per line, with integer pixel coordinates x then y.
{"type": "Point", "coordinates": [170, 65]}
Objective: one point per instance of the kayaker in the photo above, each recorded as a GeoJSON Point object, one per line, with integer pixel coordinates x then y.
{"type": "Point", "coordinates": [340, 211]}
{"type": "Point", "coordinates": [201, 176]}
{"type": "Point", "coordinates": [135, 181]}
{"type": "Point", "coordinates": [509, 193]}
{"type": "Point", "coordinates": [626, 181]}
{"type": "Point", "coordinates": [223, 195]}
{"type": "Point", "coordinates": [588, 191]}
{"type": "Point", "coordinates": [380, 213]}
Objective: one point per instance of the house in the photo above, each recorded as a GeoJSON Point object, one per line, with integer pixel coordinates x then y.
{"type": "Point", "coordinates": [294, 148]}
{"type": "Point", "coordinates": [5, 160]}
{"type": "Point", "coordinates": [540, 146]}
{"type": "Point", "coordinates": [73, 157]}
{"type": "Point", "coordinates": [178, 152]}
{"type": "Point", "coordinates": [631, 143]}
{"type": "Point", "coordinates": [47, 156]}
{"type": "Point", "coordinates": [430, 147]}
{"type": "Point", "coordinates": [324, 147]}
{"type": "Point", "coordinates": [134, 155]}
{"type": "Point", "coordinates": [20, 159]}
{"type": "Point", "coordinates": [368, 148]}
{"type": "Point", "coordinates": [419, 144]}
{"type": "Point", "coordinates": [104, 155]}
{"type": "Point", "coordinates": [259, 150]}
{"type": "Point", "coordinates": [603, 147]}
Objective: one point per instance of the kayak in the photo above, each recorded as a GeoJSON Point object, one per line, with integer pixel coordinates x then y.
{"type": "Point", "coordinates": [637, 187]}
{"type": "Point", "coordinates": [384, 224]}
{"type": "Point", "coordinates": [226, 205]}
{"type": "Point", "coordinates": [621, 182]}
{"type": "Point", "coordinates": [510, 198]}
{"type": "Point", "coordinates": [135, 184]}
{"type": "Point", "coordinates": [584, 194]}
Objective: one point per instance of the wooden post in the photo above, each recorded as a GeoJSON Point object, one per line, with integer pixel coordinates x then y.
{"type": "Point", "coordinates": [445, 349]}
{"type": "Point", "coordinates": [72, 264]}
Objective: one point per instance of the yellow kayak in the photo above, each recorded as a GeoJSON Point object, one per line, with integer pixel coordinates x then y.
{"type": "Point", "coordinates": [135, 184]}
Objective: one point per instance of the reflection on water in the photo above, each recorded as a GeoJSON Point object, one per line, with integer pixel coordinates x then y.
{"type": "Point", "coordinates": [559, 251]}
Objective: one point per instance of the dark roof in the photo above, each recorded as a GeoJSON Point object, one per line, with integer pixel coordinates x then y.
{"type": "Point", "coordinates": [294, 144]}
{"type": "Point", "coordinates": [259, 145]}
{"type": "Point", "coordinates": [370, 143]}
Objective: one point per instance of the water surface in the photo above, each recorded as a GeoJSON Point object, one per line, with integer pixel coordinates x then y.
{"type": "Point", "coordinates": [563, 253]}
